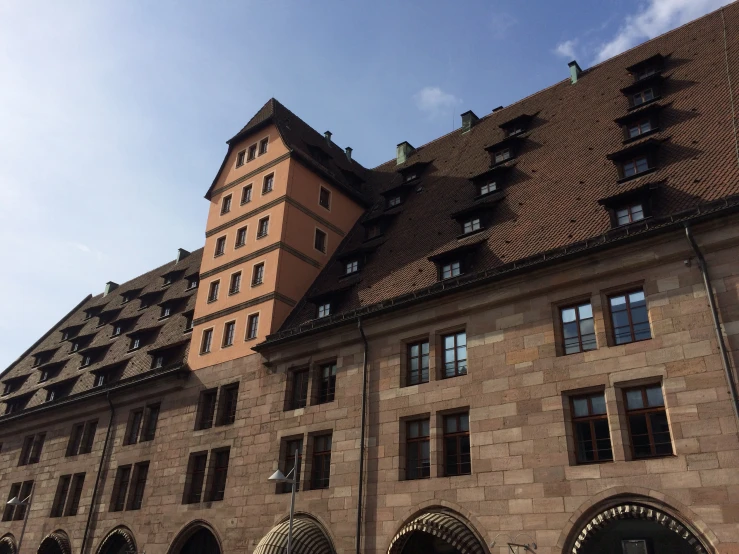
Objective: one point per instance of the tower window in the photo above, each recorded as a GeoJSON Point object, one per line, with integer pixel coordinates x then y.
{"type": "Point", "coordinates": [319, 242]}
{"type": "Point", "coordinates": [252, 153]}
{"type": "Point", "coordinates": [257, 274]}
{"type": "Point", "coordinates": [263, 146]}
{"type": "Point", "coordinates": [246, 194]}
{"type": "Point", "coordinates": [263, 227]}
{"type": "Point", "coordinates": [220, 246]}
{"type": "Point", "coordinates": [240, 158]}
{"type": "Point", "coordinates": [324, 198]}
{"type": "Point", "coordinates": [268, 183]}
{"type": "Point", "coordinates": [226, 204]}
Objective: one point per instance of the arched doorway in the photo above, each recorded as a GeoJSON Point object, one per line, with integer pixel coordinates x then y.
{"type": "Point", "coordinates": [8, 545]}
{"type": "Point", "coordinates": [309, 537]}
{"type": "Point", "coordinates": [118, 541]}
{"type": "Point", "coordinates": [437, 532]}
{"type": "Point", "coordinates": [634, 528]}
{"type": "Point", "coordinates": [196, 538]}
{"type": "Point", "coordinates": [55, 543]}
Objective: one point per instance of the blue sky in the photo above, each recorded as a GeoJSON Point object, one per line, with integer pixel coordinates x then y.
{"type": "Point", "coordinates": [113, 116]}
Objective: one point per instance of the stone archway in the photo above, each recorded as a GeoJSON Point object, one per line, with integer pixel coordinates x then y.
{"type": "Point", "coordinates": [8, 544]}
{"type": "Point", "coordinates": [56, 542]}
{"type": "Point", "coordinates": [197, 538]}
{"type": "Point", "coordinates": [119, 541]}
{"type": "Point", "coordinates": [309, 537]}
{"type": "Point", "coordinates": [634, 528]}
{"type": "Point", "coordinates": [437, 531]}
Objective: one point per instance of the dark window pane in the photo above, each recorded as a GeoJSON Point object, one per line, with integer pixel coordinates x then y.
{"type": "Point", "coordinates": [584, 442]}
{"type": "Point", "coordinates": [598, 402]}
{"type": "Point", "coordinates": [603, 440]}
{"type": "Point", "coordinates": [654, 397]}
{"type": "Point", "coordinates": [580, 406]}
{"type": "Point", "coordinates": [634, 399]}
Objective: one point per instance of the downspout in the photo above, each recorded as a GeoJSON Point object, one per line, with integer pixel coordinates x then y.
{"type": "Point", "coordinates": [362, 438]}
{"type": "Point", "coordinates": [100, 471]}
{"type": "Point", "coordinates": [716, 323]}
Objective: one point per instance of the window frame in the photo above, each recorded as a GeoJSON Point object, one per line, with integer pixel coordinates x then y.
{"type": "Point", "coordinates": [452, 271]}
{"type": "Point", "coordinates": [590, 419]}
{"type": "Point", "coordinates": [629, 208]}
{"type": "Point", "coordinates": [217, 474]}
{"type": "Point", "coordinates": [206, 411]}
{"type": "Point", "coordinates": [263, 227]}
{"type": "Point", "coordinates": [646, 411]}
{"type": "Point", "coordinates": [409, 381]}
{"type": "Point", "coordinates": [611, 327]}
{"type": "Point", "coordinates": [241, 158]}
{"type": "Point", "coordinates": [257, 274]}
{"type": "Point", "coordinates": [195, 477]}
{"type": "Point", "coordinates": [324, 310]}
{"type": "Point", "coordinates": [226, 202]}
{"type": "Point", "coordinates": [241, 234]}
{"type": "Point", "coordinates": [213, 289]}
{"type": "Point", "coordinates": [252, 326]}
{"type": "Point", "coordinates": [458, 437]}
{"type": "Point", "coordinates": [137, 486]}
{"type": "Point", "coordinates": [228, 402]}
{"type": "Point", "coordinates": [263, 146]}
{"type": "Point", "coordinates": [246, 193]}
{"type": "Point", "coordinates": [268, 183]}
{"type": "Point", "coordinates": [251, 152]}
{"type": "Point", "coordinates": [220, 246]}
{"type": "Point", "coordinates": [298, 390]}
{"type": "Point", "coordinates": [353, 265]}
{"type": "Point", "coordinates": [320, 474]}
{"type": "Point", "coordinates": [578, 322]}
{"type": "Point", "coordinates": [289, 463]}
{"type": "Point", "coordinates": [234, 285]}
{"type": "Point", "coordinates": [206, 341]}
{"type": "Point", "coordinates": [456, 361]}
{"type": "Point", "coordinates": [421, 471]}
{"type": "Point", "coordinates": [229, 333]}
{"type": "Point", "coordinates": [320, 240]}
{"type": "Point", "coordinates": [327, 383]}
{"type": "Point", "coordinates": [327, 196]}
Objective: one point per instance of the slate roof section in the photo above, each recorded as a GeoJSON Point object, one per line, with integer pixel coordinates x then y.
{"type": "Point", "coordinates": [561, 171]}
{"type": "Point", "coordinates": [171, 331]}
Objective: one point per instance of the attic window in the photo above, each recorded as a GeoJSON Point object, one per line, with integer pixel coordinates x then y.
{"type": "Point", "coordinates": [637, 159]}
{"type": "Point", "coordinates": [168, 279]}
{"type": "Point", "coordinates": [49, 373]}
{"type": "Point", "coordinates": [646, 68]}
{"type": "Point", "coordinates": [471, 226]}
{"type": "Point", "coordinates": [451, 269]}
{"type": "Point", "coordinates": [373, 230]}
{"type": "Point", "coordinates": [135, 342]}
{"type": "Point", "coordinates": [502, 155]}
{"type": "Point", "coordinates": [324, 310]}
{"type": "Point", "coordinates": [240, 158]}
{"type": "Point", "coordinates": [488, 187]}
{"type": "Point", "coordinates": [252, 152]}
{"type": "Point", "coordinates": [86, 360]}
{"type": "Point", "coordinates": [12, 385]}
{"type": "Point", "coordinates": [410, 176]}
{"type": "Point", "coordinates": [642, 97]}
{"type": "Point", "coordinates": [635, 166]}
{"type": "Point", "coordinates": [352, 267]}
{"type": "Point", "coordinates": [166, 311]}
{"type": "Point", "coordinates": [192, 281]}
{"type": "Point", "coordinates": [40, 358]}
{"type": "Point", "coordinates": [638, 128]}
{"type": "Point", "coordinates": [394, 201]}
{"type": "Point", "coordinates": [629, 214]}
{"type": "Point", "coordinates": [117, 329]}
{"type": "Point", "coordinates": [263, 146]}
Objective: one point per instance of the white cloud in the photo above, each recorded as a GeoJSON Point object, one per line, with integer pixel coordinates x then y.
{"type": "Point", "coordinates": [657, 17]}
{"type": "Point", "coordinates": [566, 49]}
{"type": "Point", "coordinates": [435, 101]}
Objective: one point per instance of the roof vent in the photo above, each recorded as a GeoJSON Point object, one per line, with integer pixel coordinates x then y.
{"type": "Point", "coordinates": [181, 255]}
{"type": "Point", "coordinates": [327, 134]}
{"type": "Point", "coordinates": [469, 119]}
{"type": "Point", "coordinates": [348, 151]}
{"type": "Point", "coordinates": [497, 109]}
{"type": "Point", "coordinates": [110, 286]}
{"type": "Point", "coordinates": [404, 151]}
{"type": "Point", "coordinates": [575, 71]}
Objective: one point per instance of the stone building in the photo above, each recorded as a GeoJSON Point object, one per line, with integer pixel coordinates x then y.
{"type": "Point", "coordinates": [503, 337]}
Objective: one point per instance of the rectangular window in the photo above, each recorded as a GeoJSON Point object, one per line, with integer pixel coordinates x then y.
{"type": "Point", "coordinates": [327, 385]}
{"type": "Point", "coordinates": [75, 494]}
{"type": "Point", "coordinates": [263, 227]}
{"type": "Point", "coordinates": [488, 187]}
{"type": "Point", "coordinates": [629, 317]}
{"type": "Point", "coordinates": [206, 409]}
{"type": "Point", "coordinates": [394, 201]}
{"type": "Point", "coordinates": [352, 267]}
{"type": "Point", "coordinates": [471, 226]}
{"type": "Point", "coordinates": [136, 495]}
{"type": "Point", "coordinates": [34, 454]}
{"type": "Point", "coordinates": [324, 198]}
{"type": "Point", "coordinates": [26, 450]}
{"type": "Point", "coordinates": [246, 194]}
{"type": "Point", "coordinates": [151, 418]}
{"type": "Point", "coordinates": [453, 269]}
{"type": "Point", "coordinates": [9, 510]}
{"type": "Point", "coordinates": [218, 475]}
{"type": "Point", "coordinates": [252, 153]}
{"type": "Point", "coordinates": [635, 546]}
{"type": "Point", "coordinates": [166, 311]}
{"type": "Point", "coordinates": [60, 498]}
{"type": "Point", "coordinates": [457, 445]}
{"type": "Point", "coordinates": [633, 130]}
{"type": "Point", "coordinates": [241, 237]}
{"type": "Point", "coordinates": [629, 214]}
{"type": "Point", "coordinates": [293, 452]}
{"type": "Point", "coordinates": [642, 97]}
{"type": "Point", "coordinates": [635, 166]}
{"type": "Point", "coordinates": [75, 439]}
{"type": "Point", "coordinates": [324, 310]}
{"type": "Point", "coordinates": [257, 274]}
{"type": "Point", "coordinates": [192, 281]}
{"type": "Point", "coordinates": [502, 155]}
{"type": "Point", "coordinates": [220, 246]}
{"type": "Point", "coordinates": [319, 241]}
{"type": "Point", "coordinates": [81, 439]}
{"type": "Point", "coordinates": [134, 426]}
{"type": "Point", "coordinates": [207, 339]}
{"type": "Point", "coordinates": [213, 291]}
{"type": "Point", "coordinates": [120, 488]}
{"type": "Point", "coordinates": [590, 425]}
{"type": "Point", "coordinates": [24, 494]}
{"type": "Point", "coordinates": [578, 329]}
{"type": "Point", "coordinates": [188, 321]}
{"type": "Point", "coordinates": [321, 462]}
{"type": "Point", "coordinates": [417, 449]}
{"type": "Point", "coordinates": [195, 477]}
{"type": "Point", "coordinates": [226, 204]}
{"type": "Point", "coordinates": [263, 146]}
{"type": "Point", "coordinates": [235, 284]}
{"type": "Point", "coordinates": [227, 404]}
{"type": "Point", "coordinates": [228, 334]}
{"type": "Point", "coordinates": [268, 183]}
{"type": "Point", "coordinates": [299, 389]}
{"type": "Point", "coordinates": [418, 363]}
{"type": "Point", "coordinates": [455, 355]}
{"type": "Point", "coordinates": [648, 426]}
{"type": "Point", "coordinates": [240, 158]}
{"type": "Point", "coordinates": [88, 437]}
{"type": "Point", "coordinates": [252, 326]}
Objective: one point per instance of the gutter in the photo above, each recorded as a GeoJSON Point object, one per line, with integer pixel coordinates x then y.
{"type": "Point", "coordinates": [362, 438]}
{"type": "Point", "coordinates": [103, 455]}
{"type": "Point", "coordinates": [703, 266]}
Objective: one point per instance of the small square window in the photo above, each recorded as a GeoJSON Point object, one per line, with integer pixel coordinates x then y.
{"type": "Point", "coordinates": [268, 183]}
{"type": "Point", "coordinates": [252, 152]}
{"type": "Point", "coordinates": [324, 198]}
{"type": "Point", "coordinates": [642, 97]}
{"type": "Point", "coordinates": [206, 341]}
{"type": "Point", "coordinates": [471, 226]}
{"type": "Point", "coordinates": [240, 158]}
{"type": "Point", "coordinates": [352, 267]}
{"type": "Point", "coordinates": [226, 204]}
{"type": "Point", "coordinates": [635, 166]}
{"type": "Point", "coordinates": [629, 214]}
{"type": "Point", "coordinates": [638, 128]}
{"type": "Point", "coordinates": [263, 227]}
{"type": "Point", "coordinates": [213, 291]}
{"type": "Point", "coordinates": [452, 269]}
{"type": "Point", "coordinates": [257, 274]}
{"type": "Point", "coordinates": [320, 241]}
{"type": "Point", "coordinates": [252, 326]}
{"type": "Point", "coordinates": [166, 311]}
{"type": "Point", "coordinates": [394, 201]}
{"type": "Point", "coordinates": [228, 334]}
{"type": "Point", "coordinates": [324, 310]}
{"type": "Point", "coordinates": [263, 146]}
{"type": "Point", "coordinates": [246, 194]}
{"type": "Point", "coordinates": [487, 188]}
{"type": "Point", "coordinates": [502, 155]}
{"type": "Point", "coordinates": [220, 247]}
{"type": "Point", "coordinates": [192, 281]}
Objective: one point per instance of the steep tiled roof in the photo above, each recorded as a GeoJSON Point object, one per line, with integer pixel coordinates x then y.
{"type": "Point", "coordinates": [560, 173]}
{"type": "Point", "coordinates": [98, 337]}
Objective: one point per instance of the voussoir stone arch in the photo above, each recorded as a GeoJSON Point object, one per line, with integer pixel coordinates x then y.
{"type": "Point", "coordinates": [119, 540]}
{"type": "Point", "coordinates": [8, 545]}
{"type": "Point", "coordinates": [190, 529]}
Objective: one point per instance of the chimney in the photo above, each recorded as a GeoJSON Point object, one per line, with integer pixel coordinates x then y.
{"type": "Point", "coordinates": [403, 152]}
{"type": "Point", "coordinates": [348, 151]}
{"type": "Point", "coordinates": [469, 119]}
{"type": "Point", "coordinates": [575, 71]}
{"type": "Point", "coordinates": [110, 286]}
{"type": "Point", "coordinates": [181, 255]}
{"type": "Point", "coordinates": [327, 134]}
{"type": "Point", "coordinates": [497, 109]}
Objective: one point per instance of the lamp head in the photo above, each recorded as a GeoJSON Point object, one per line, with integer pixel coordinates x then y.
{"type": "Point", "coordinates": [15, 502]}
{"type": "Point", "coordinates": [278, 477]}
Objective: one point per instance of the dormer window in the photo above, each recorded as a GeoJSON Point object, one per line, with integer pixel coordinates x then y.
{"type": "Point", "coordinates": [352, 267]}
{"type": "Point", "coordinates": [634, 166]}
{"type": "Point", "coordinates": [646, 68]}
{"type": "Point", "coordinates": [488, 187]}
{"type": "Point", "coordinates": [517, 125]}
{"type": "Point", "coordinates": [226, 204]}
{"type": "Point", "coordinates": [324, 310]}
{"type": "Point", "coordinates": [189, 316]}
{"type": "Point", "coordinates": [638, 128]}
{"type": "Point", "coordinates": [135, 343]}
{"type": "Point", "coordinates": [642, 97]}
{"type": "Point", "coordinates": [75, 346]}
{"type": "Point", "coordinates": [12, 385]}
{"type": "Point", "coordinates": [471, 225]}
{"type": "Point", "coordinates": [50, 372]}
{"type": "Point", "coordinates": [502, 155]}
{"type": "Point", "coordinates": [157, 362]}
{"type": "Point", "coordinates": [629, 214]}
{"type": "Point", "coordinates": [168, 279]}
{"type": "Point", "coordinates": [637, 159]}
{"type": "Point", "coordinates": [99, 380]}
{"type": "Point", "coordinates": [394, 201]}
{"type": "Point", "coordinates": [373, 230]}
{"type": "Point", "coordinates": [410, 176]}
{"type": "Point", "coordinates": [86, 360]}
{"type": "Point", "coordinates": [451, 269]}
{"type": "Point", "coordinates": [166, 311]}
{"type": "Point", "coordinates": [58, 391]}
{"type": "Point", "coordinates": [192, 281]}
{"type": "Point", "coordinates": [645, 72]}
{"type": "Point", "coordinates": [40, 358]}
{"type": "Point", "coordinates": [117, 329]}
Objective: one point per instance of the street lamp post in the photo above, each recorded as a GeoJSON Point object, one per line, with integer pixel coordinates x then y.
{"type": "Point", "coordinates": [27, 503]}
{"type": "Point", "coordinates": [278, 477]}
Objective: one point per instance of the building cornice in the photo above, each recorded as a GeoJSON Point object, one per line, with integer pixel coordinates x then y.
{"type": "Point", "coordinates": [258, 253]}
{"type": "Point", "coordinates": [243, 305]}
